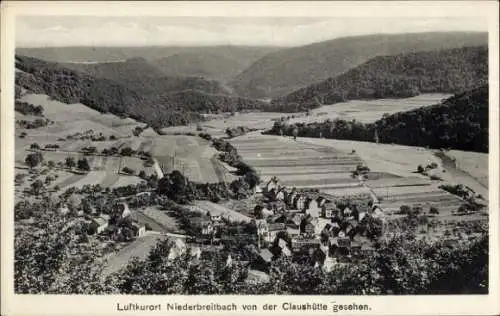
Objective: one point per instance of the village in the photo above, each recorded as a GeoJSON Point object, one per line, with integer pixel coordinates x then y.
{"type": "Point", "coordinates": [304, 226]}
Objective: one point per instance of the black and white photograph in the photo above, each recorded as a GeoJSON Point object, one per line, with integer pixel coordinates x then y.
{"type": "Point", "coordinates": [251, 155]}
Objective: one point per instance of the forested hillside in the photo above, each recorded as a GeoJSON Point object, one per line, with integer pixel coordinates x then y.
{"type": "Point", "coordinates": [210, 66]}
{"type": "Point", "coordinates": [138, 73]}
{"type": "Point", "coordinates": [445, 71]}
{"type": "Point", "coordinates": [212, 62]}
{"type": "Point", "coordinates": [286, 70]}
{"type": "Point", "coordinates": [460, 122]}
{"type": "Point", "coordinates": [156, 101]}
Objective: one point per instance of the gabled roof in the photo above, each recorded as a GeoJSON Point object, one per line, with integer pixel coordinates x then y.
{"type": "Point", "coordinates": [100, 221]}
{"type": "Point", "coordinates": [282, 243]}
{"type": "Point", "coordinates": [276, 226]}
{"type": "Point", "coordinates": [266, 255]}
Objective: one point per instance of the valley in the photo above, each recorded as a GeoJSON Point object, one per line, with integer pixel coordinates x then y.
{"type": "Point", "coordinates": [184, 170]}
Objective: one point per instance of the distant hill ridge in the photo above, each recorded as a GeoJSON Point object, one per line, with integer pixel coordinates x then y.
{"type": "Point", "coordinates": [281, 72]}
{"type": "Point", "coordinates": [213, 62]}
{"type": "Point", "coordinates": [158, 101]}
{"type": "Point", "coordinates": [445, 71]}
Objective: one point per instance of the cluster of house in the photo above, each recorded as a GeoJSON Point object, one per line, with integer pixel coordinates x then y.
{"type": "Point", "coordinates": [123, 225]}
{"type": "Point", "coordinates": [313, 223]}
{"type": "Point", "coordinates": [208, 224]}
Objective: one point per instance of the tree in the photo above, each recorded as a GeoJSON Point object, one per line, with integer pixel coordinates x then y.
{"type": "Point", "coordinates": [434, 210]}
{"type": "Point", "coordinates": [127, 151]}
{"type": "Point", "coordinates": [142, 175]}
{"type": "Point", "coordinates": [295, 132]}
{"type": "Point", "coordinates": [33, 159]}
{"type": "Point", "coordinates": [70, 162]}
{"type": "Point", "coordinates": [257, 212]}
{"type": "Point", "coordinates": [420, 169]}
{"type": "Point", "coordinates": [35, 146]}
{"type": "Point", "coordinates": [51, 164]}
{"type": "Point", "coordinates": [83, 164]}
{"type": "Point", "coordinates": [128, 170]}
{"type": "Point", "coordinates": [37, 186]}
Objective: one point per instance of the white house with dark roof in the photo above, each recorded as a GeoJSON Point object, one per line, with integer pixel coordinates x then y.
{"type": "Point", "coordinates": [312, 208]}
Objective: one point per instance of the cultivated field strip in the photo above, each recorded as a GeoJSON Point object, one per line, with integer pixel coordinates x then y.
{"type": "Point", "coordinates": [297, 164]}
{"type": "Point", "coordinates": [319, 176]}
{"type": "Point", "coordinates": [347, 191]}
{"type": "Point", "coordinates": [406, 190]}
{"type": "Point", "coordinates": [398, 182]}
{"type": "Point", "coordinates": [303, 163]}
{"type": "Point", "coordinates": [286, 171]}
{"type": "Point", "coordinates": [316, 157]}
{"type": "Point", "coordinates": [320, 182]}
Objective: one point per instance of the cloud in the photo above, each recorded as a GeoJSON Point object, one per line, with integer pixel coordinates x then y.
{"type": "Point", "coordinates": [289, 31]}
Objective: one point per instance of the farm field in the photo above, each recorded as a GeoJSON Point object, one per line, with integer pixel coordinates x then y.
{"type": "Point", "coordinates": [367, 111]}
{"type": "Point", "coordinates": [396, 159]}
{"type": "Point", "coordinates": [303, 165]}
{"type": "Point", "coordinates": [188, 154]}
{"type": "Point", "coordinates": [192, 155]}
{"type": "Point", "coordinates": [473, 163]}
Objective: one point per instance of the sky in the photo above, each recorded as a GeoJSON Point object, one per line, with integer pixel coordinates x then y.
{"type": "Point", "coordinates": [40, 31]}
